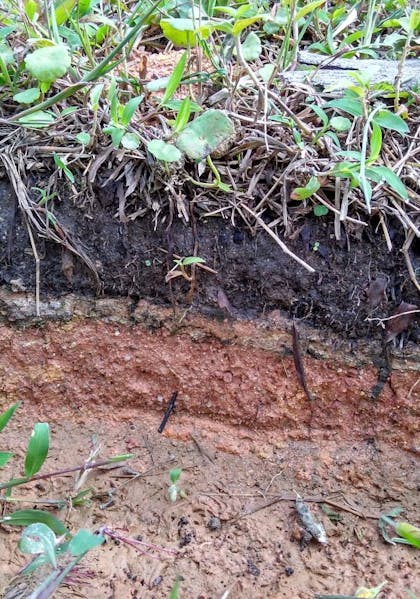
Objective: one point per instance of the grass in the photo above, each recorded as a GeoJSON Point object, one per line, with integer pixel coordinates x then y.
{"type": "Point", "coordinates": [68, 66]}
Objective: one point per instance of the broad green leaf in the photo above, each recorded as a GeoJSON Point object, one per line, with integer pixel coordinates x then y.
{"type": "Point", "coordinates": [187, 262]}
{"type": "Point", "coordinates": [156, 85]}
{"type": "Point", "coordinates": [37, 448]}
{"type": "Point", "coordinates": [356, 155]}
{"type": "Point", "coordinates": [375, 142]}
{"type": "Point", "coordinates": [308, 8]}
{"type": "Point", "coordinates": [408, 532]}
{"type": "Point", "coordinates": [242, 24]}
{"type": "Point", "coordinates": [350, 105]}
{"type": "Point", "coordinates": [63, 10]}
{"type": "Point", "coordinates": [83, 541]}
{"type": "Point", "coordinates": [320, 210]}
{"type": "Point", "coordinates": [129, 110]}
{"type": "Point", "coordinates": [205, 134]}
{"type": "Point", "coordinates": [26, 517]}
{"type": "Point", "coordinates": [414, 21]}
{"type": "Point", "coordinates": [251, 47]}
{"type": "Point", "coordinates": [387, 175]}
{"type": "Point", "coordinates": [84, 7]}
{"type": "Point", "coordinates": [68, 110]}
{"type": "Point", "coordinates": [49, 63]}
{"type": "Point", "coordinates": [175, 79]}
{"type": "Point", "coordinates": [39, 538]}
{"type": "Point", "coordinates": [31, 9]}
{"type": "Point", "coordinates": [389, 120]}
{"type": "Point", "coordinates": [6, 55]}
{"type": "Point", "coordinates": [5, 457]}
{"type": "Point", "coordinates": [302, 193]}
{"type": "Point", "coordinates": [164, 151]}
{"type": "Point", "coordinates": [7, 414]}
{"type": "Point", "coordinates": [340, 123]}
{"type": "Point", "coordinates": [116, 134]}
{"type": "Point", "coordinates": [83, 138]}
{"type": "Point", "coordinates": [28, 96]}
{"type": "Point", "coordinates": [183, 32]}
{"type": "Point", "coordinates": [38, 119]}
{"type": "Point", "coordinates": [130, 141]}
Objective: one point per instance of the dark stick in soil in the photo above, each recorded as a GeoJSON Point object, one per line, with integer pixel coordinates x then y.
{"type": "Point", "coordinates": [169, 410]}
{"type": "Point", "coordinates": [297, 358]}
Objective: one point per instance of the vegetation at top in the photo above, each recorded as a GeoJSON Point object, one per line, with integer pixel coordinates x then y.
{"type": "Point", "coordinates": [80, 66]}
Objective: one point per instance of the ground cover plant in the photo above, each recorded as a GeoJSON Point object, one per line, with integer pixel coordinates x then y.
{"type": "Point", "coordinates": [268, 112]}
{"type": "Point", "coordinates": [56, 550]}
{"type": "Point", "coordinates": [76, 89]}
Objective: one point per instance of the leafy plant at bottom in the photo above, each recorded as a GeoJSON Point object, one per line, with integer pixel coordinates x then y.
{"type": "Point", "coordinates": [60, 555]}
{"type": "Point", "coordinates": [121, 116]}
{"type": "Point", "coordinates": [408, 534]}
{"type": "Point", "coordinates": [179, 269]}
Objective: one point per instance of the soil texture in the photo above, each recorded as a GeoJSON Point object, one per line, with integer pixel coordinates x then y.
{"type": "Point", "coordinates": [236, 532]}
{"type": "Point", "coordinates": [354, 279]}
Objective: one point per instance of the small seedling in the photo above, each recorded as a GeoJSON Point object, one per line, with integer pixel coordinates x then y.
{"type": "Point", "coordinates": [408, 534]}
{"type": "Point", "coordinates": [174, 491]}
{"type": "Point", "coordinates": [179, 269]}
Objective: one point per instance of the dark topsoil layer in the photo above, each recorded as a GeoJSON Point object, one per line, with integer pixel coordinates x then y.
{"type": "Point", "coordinates": [252, 271]}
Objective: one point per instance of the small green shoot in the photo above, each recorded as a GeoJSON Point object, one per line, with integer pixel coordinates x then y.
{"type": "Point", "coordinates": [173, 490]}
{"type": "Point", "coordinates": [408, 534]}
{"type": "Point", "coordinates": [174, 594]}
{"type": "Point", "coordinates": [179, 270]}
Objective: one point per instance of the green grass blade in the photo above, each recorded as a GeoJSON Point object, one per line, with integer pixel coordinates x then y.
{"type": "Point", "coordinates": [37, 448]}
{"type": "Point", "coordinates": [5, 457]}
{"type": "Point", "coordinates": [27, 517]}
{"type": "Point", "coordinates": [175, 79]}
{"type": "Point", "coordinates": [7, 414]}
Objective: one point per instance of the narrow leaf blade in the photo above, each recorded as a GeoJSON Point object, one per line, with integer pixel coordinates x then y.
{"type": "Point", "coordinates": [7, 414]}
{"type": "Point", "coordinates": [37, 448]}
{"type": "Point", "coordinates": [175, 79]}
{"type": "Point", "coordinates": [27, 517]}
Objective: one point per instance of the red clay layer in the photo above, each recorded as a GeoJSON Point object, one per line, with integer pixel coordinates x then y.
{"type": "Point", "coordinates": [118, 370]}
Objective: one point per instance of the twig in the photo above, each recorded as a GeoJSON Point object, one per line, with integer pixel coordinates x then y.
{"type": "Point", "coordinates": [405, 251]}
{"type": "Point", "coordinates": [327, 501]}
{"type": "Point", "coordinates": [277, 239]}
{"type": "Point", "coordinates": [297, 358]}
{"type": "Point", "coordinates": [168, 412]}
{"type": "Point", "coordinates": [23, 481]}
{"type": "Point", "coordinates": [382, 320]}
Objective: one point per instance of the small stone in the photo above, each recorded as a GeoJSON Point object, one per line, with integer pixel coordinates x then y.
{"type": "Point", "coordinates": [214, 523]}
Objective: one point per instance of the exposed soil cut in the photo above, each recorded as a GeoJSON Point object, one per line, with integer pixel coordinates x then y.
{"type": "Point", "coordinates": [244, 432]}
{"type": "Point", "coordinates": [253, 273]}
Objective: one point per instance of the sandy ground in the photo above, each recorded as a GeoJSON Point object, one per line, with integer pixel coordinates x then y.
{"type": "Point", "coordinates": [225, 537]}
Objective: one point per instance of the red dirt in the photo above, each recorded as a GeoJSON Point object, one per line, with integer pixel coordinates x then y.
{"type": "Point", "coordinates": [232, 372]}
{"type": "Point", "coordinates": [243, 433]}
